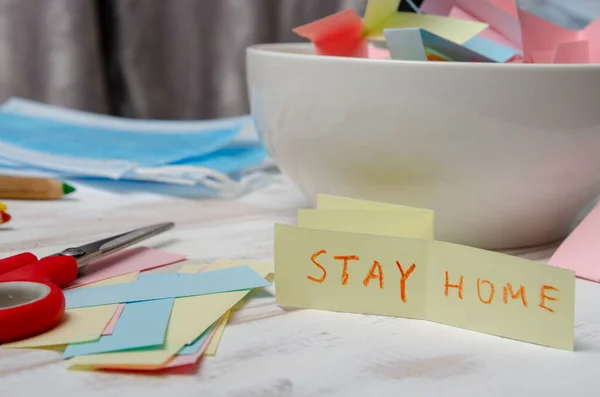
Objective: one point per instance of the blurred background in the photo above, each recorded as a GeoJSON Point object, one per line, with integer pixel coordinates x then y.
{"type": "Point", "coordinates": [164, 59]}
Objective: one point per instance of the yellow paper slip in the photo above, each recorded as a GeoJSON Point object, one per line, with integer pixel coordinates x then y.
{"type": "Point", "coordinates": [377, 12]}
{"type": "Point", "coordinates": [388, 223]}
{"type": "Point", "coordinates": [453, 29]}
{"type": "Point", "coordinates": [484, 291]}
{"type": "Point", "coordinates": [142, 359]}
{"type": "Point", "coordinates": [80, 325]}
{"type": "Point", "coordinates": [330, 202]}
{"type": "Point", "coordinates": [190, 317]}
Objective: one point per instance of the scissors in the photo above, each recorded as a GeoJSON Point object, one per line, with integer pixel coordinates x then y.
{"type": "Point", "coordinates": [31, 298]}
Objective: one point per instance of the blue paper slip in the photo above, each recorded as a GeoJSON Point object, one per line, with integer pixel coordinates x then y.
{"type": "Point", "coordinates": [411, 43]}
{"type": "Point", "coordinates": [491, 49]}
{"type": "Point", "coordinates": [204, 283]}
{"type": "Point", "coordinates": [141, 325]}
{"type": "Point", "coordinates": [197, 344]}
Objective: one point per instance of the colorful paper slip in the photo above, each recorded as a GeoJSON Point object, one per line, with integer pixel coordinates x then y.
{"type": "Point", "coordinates": [194, 347]}
{"type": "Point", "coordinates": [377, 13]}
{"type": "Point", "coordinates": [127, 261]}
{"type": "Point", "coordinates": [142, 324]}
{"type": "Point", "coordinates": [431, 280]}
{"type": "Point", "coordinates": [455, 30]}
{"type": "Point", "coordinates": [190, 359]}
{"type": "Point", "coordinates": [336, 35]}
{"type": "Point", "coordinates": [213, 345]}
{"type": "Point", "coordinates": [233, 279]}
{"type": "Point", "coordinates": [388, 223]}
{"type": "Point", "coordinates": [580, 251]}
{"type": "Point", "coordinates": [264, 268]}
{"type": "Point", "coordinates": [79, 325]}
{"type": "Point", "coordinates": [490, 49]}
{"type": "Point", "coordinates": [141, 359]}
{"type": "Point", "coordinates": [410, 45]}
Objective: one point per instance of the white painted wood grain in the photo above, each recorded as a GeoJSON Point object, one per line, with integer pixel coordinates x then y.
{"type": "Point", "coordinates": [269, 351]}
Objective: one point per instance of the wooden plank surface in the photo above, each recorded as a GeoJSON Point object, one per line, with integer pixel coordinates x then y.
{"type": "Point", "coordinates": [268, 351]}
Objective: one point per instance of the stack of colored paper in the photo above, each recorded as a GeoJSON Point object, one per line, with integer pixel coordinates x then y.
{"type": "Point", "coordinates": [494, 31]}
{"type": "Point", "coordinates": [148, 321]}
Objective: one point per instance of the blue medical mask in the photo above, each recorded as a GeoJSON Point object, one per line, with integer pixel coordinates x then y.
{"type": "Point", "coordinates": [79, 144]}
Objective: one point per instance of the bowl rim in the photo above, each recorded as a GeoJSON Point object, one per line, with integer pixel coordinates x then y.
{"type": "Point", "coordinates": [305, 51]}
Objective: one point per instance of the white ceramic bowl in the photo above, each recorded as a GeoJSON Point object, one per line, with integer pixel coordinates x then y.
{"type": "Point", "coordinates": [507, 155]}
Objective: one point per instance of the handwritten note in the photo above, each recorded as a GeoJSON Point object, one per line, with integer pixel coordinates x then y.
{"type": "Point", "coordinates": [424, 279]}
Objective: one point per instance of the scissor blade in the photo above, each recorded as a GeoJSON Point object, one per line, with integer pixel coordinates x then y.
{"type": "Point", "coordinates": [85, 253]}
{"type": "Point", "coordinates": [134, 236]}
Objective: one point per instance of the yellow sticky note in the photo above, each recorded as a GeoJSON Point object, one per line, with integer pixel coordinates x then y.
{"type": "Point", "coordinates": [405, 277]}
{"type": "Point", "coordinates": [330, 202]}
{"type": "Point", "coordinates": [501, 295]}
{"type": "Point", "coordinates": [416, 224]}
{"type": "Point", "coordinates": [453, 29]}
{"type": "Point", "coordinates": [141, 359]}
{"type": "Point", "coordinates": [377, 12]}
{"type": "Point", "coordinates": [80, 325]}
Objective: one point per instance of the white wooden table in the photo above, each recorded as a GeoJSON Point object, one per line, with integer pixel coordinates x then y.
{"type": "Point", "coordinates": [266, 351]}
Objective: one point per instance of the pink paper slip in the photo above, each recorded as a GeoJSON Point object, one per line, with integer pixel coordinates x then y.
{"type": "Point", "coordinates": [573, 52]}
{"type": "Point", "coordinates": [570, 46]}
{"type": "Point", "coordinates": [580, 251]}
{"type": "Point", "coordinates": [127, 261]}
{"type": "Point", "coordinates": [339, 34]}
{"type": "Point", "coordinates": [108, 330]}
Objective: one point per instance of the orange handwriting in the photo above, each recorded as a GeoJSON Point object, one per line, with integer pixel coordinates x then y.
{"type": "Point", "coordinates": [492, 290]}
{"type": "Point", "coordinates": [313, 259]}
{"type": "Point", "coordinates": [514, 295]}
{"type": "Point", "coordinates": [543, 297]}
{"type": "Point", "coordinates": [372, 275]}
{"type": "Point", "coordinates": [346, 258]}
{"type": "Point", "coordinates": [403, 279]}
{"type": "Point", "coordinates": [458, 286]}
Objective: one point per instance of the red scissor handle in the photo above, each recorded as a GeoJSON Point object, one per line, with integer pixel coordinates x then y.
{"type": "Point", "coordinates": [59, 270]}
{"type": "Point", "coordinates": [25, 274]}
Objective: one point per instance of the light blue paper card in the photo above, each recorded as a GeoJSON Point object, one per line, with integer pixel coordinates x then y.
{"type": "Point", "coordinates": [491, 49]}
{"type": "Point", "coordinates": [204, 283]}
{"type": "Point", "coordinates": [405, 44]}
{"type": "Point", "coordinates": [197, 344]}
{"type": "Point", "coordinates": [141, 325]}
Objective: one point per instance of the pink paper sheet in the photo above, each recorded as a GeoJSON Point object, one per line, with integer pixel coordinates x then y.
{"type": "Point", "coordinates": [339, 34]}
{"type": "Point", "coordinates": [573, 52]}
{"type": "Point", "coordinates": [540, 35]}
{"type": "Point", "coordinates": [127, 261]}
{"type": "Point", "coordinates": [580, 251]}
{"type": "Point", "coordinates": [108, 330]}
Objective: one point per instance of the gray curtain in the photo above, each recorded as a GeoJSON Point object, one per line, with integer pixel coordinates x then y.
{"type": "Point", "coordinates": [164, 59]}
